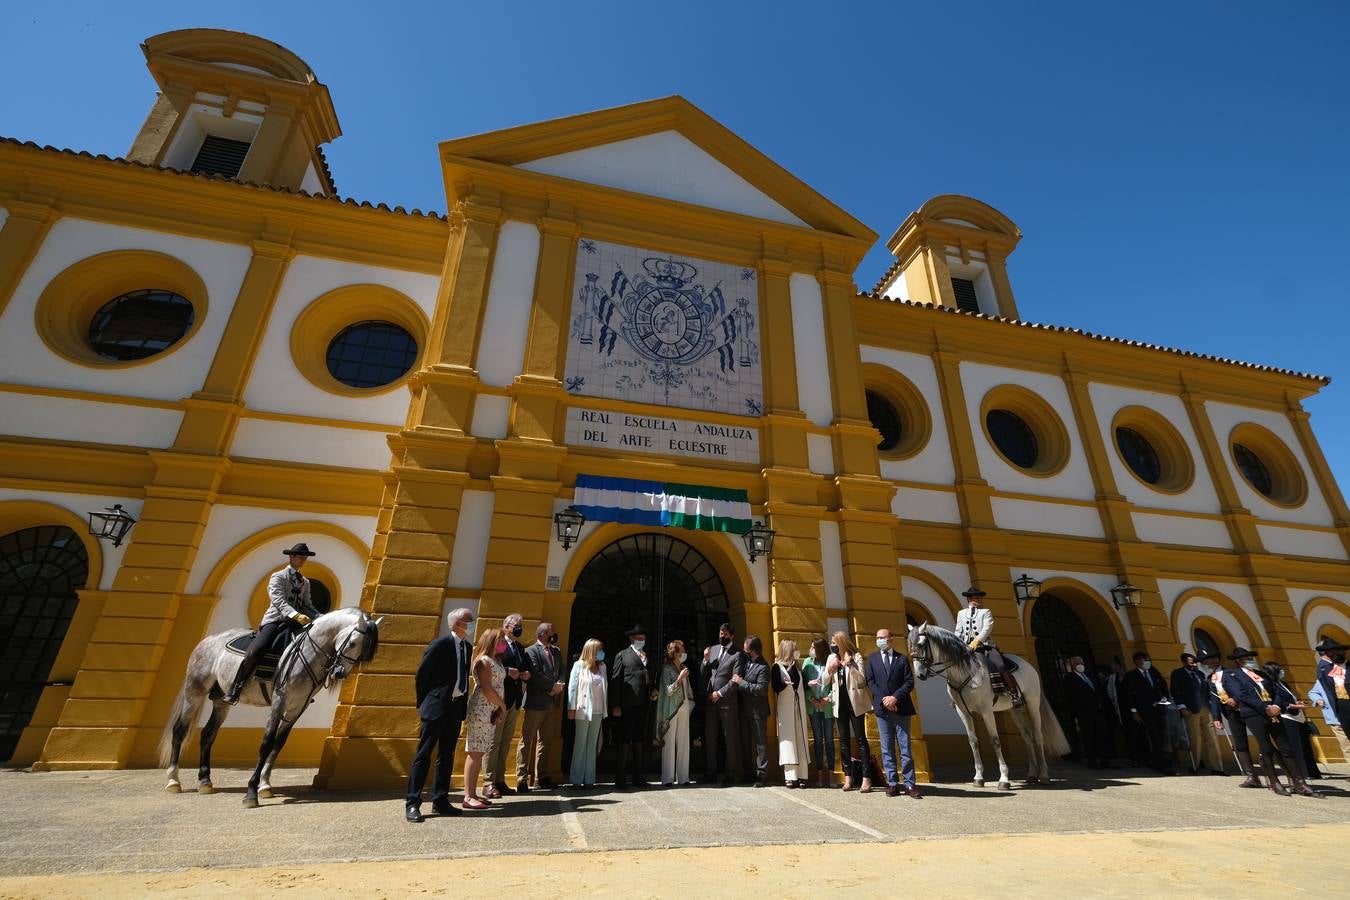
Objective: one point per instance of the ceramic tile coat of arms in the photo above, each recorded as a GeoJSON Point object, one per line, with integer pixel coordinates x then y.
{"type": "Point", "coordinates": [664, 330]}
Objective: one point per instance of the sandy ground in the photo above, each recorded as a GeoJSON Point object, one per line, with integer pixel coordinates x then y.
{"type": "Point", "coordinates": [1154, 864]}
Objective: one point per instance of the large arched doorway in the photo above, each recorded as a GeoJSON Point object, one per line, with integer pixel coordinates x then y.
{"type": "Point", "coordinates": [1060, 635]}
{"type": "Point", "coordinates": [40, 570]}
{"type": "Point", "coordinates": [662, 583]}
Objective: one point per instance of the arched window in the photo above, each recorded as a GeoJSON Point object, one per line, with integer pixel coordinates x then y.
{"type": "Point", "coordinates": [1204, 643]}
{"type": "Point", "coordinates": [371, 354]}
{"type": "Point", "coordinates": [140, 324]}
{"type": "Point", "coordinates": [886, 420]}
{"type": "Point", "coordinates": [1013, 437]}
{"type": "Point", "coordinates": [319, 596]}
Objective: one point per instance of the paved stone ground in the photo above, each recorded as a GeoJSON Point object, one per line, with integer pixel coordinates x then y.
{"type": "Point", "coordinates": [97, 822]}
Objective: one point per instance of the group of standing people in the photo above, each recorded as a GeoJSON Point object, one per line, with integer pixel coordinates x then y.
{"type": "Point", "coordinates": [832, 691]}
{"type": "Point", "coordinates": [1176, 722]}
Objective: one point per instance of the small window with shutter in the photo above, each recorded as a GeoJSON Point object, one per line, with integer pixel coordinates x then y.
{"type": "Point", "coordinates": [220, 156]}
{"type": "Point", "coordinates": [966, 299]}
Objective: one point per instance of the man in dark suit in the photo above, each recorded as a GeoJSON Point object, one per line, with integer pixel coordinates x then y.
{"type": "Point", "coordinates": [754, 691]}
{"type": "Point", "coordinates": [630, 695]}
{"type": "Point", "coordinates": [1085, 707]}
{"type": "Point", "coordinates": [543, 709]}
{"type": "Point", "coordinates": [517, 665]}
{"type": "Point", "coordinates": [442, 699]}
{"type": "Point", "coordinates": [1331, 678]}
{"type": "Point", "coordinates": [1144, 694]}
{"type": "Point", "coordinates": [890, 679]}
{"type": "Point", "coordinates": [721, 665]}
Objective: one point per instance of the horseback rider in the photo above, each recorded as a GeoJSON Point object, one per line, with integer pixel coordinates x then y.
{"type": "Point", "coordinates": [288, 612]}
{"type": "Point", "coordinates": [975, 626]}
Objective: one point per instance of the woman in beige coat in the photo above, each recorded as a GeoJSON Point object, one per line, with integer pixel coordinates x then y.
{"type": "Point", "coordinates": [790, 714]}
{"type": "Point", "coordinates": [852, 703]}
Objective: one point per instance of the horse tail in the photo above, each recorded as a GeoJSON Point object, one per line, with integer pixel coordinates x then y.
{"type": "Point", "coordinates": [1052, 735]}
{"type": "Point", "coordinates": [186, 707]}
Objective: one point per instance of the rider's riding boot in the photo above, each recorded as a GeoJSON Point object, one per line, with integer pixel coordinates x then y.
{"type": "Point", "coordinates": [1014, 692]}
{"type": "Point", "coordinates": [240, 679]}
{"type": "Point", "coordinates": [1244, 760]}
{"type": "Point", "coordinates": [1268, 766]}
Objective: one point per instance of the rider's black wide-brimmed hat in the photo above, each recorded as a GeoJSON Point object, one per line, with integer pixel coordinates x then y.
{"type": "Point", "coordinates": [300, 549]}
{"type": "Point", "coordinates": [636, 629]}
{"type": "Point", "coordinates": [1327, 645]}
{"type": "Point", "coordinates": [971, 593]}
{"type": "Point", "coordinates": [1241, 653]}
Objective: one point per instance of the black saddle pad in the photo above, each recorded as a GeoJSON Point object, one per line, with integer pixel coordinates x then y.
{"type": "Point", "coordinates": [267, 666]}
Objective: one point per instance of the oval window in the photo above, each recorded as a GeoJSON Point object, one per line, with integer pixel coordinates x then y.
{"type": "Point", "coordinates": [371, 354]}
{"type": "Point", "coordinates": [1013, 437]}
{"type": "Point", "coordinates": [886, 420]}
{"type": "Point", "coordinates": [140, 324]}
{"type": "Point", "coordinates": [1254, 469]}
{"type": "Point", "coordinates": [1139, 454]}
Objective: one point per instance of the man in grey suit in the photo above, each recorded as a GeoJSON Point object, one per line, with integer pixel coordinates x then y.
{"type": "Point", "coordinates": [543, 709]}
{"type": "Point", "coordinates": [723, 666]}
{"type": "Point", "coordinates": [754, 688]}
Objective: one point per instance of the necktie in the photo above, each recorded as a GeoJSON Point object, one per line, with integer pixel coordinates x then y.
{"type": "Point", "coordinates": [463, 681]}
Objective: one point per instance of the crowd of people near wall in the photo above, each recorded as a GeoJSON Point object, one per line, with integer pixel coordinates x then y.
{"type": "Point", "coordinates": [490, 683]}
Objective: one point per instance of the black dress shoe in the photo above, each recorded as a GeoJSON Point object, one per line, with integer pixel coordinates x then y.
{"type": "Point", "coordinates": [503, 789]}
{"type": "Point", "coordinates": [522, 787]}
{"type": "Point", "coordinates": [414, 814]}
{"type": "Point", "coordinates": [760, 782]}
{"type": "Point", "coordinates": [443, 808]}
{"type": "Point", "coordinates": [913, 792]}
{"type": "Point", "coordinates": [893, 791]}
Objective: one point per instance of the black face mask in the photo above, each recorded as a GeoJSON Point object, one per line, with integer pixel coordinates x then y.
{"type": "Point", "coordinates": [1338, 658]}
{"type": "Point", "coordinates": [517, 631]}
{"type": "Point", "coordinates": [553, 638]}
{"type": "Point", "coordinates": [834, 649]}
{"type": "Point", "coordinates": [724, 640]}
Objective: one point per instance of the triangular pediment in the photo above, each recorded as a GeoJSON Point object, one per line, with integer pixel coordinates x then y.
{"type": "Point", "coordinates": [665, 148]}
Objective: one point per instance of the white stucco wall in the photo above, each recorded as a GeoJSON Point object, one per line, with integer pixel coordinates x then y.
{"type": "Point", "coordinates": [320, 445]}
{"type": "Point", "coordinates": [69, 419]}
{"type": "Point", "coordinates": [1073, 481]}
{"type": "Point", "coordinates": [1225, 417]}
{"type": "Point", "coordinates": [933, 463]}
{"type": "Point", "coordinates": [1205, 606]}
{"type": "Point", "coordinates": [1323, 614]}
{"type": "Point", "coordinates": [1057, 518]}
{"type": "Point", "coordinates": [510, 300]}
{"type": "Point", "coordinates": [935, 704]}
{"type": "Point", "coordinates": [276, 385]}
{"type": "Point", "coordinates": [1301, 542]}
{"type": "Point", "coordinates": [1107, 401]}
{"type": "Point", "coordinates": [820, 453]}
{"type": "Point", "coordinates": [832, 564]}
{"type": "Point", "coordinates": [813, 359]}
{"type": "Point", "coordinates": [491, 416]}
{"type": "Point", "coordinates": [468, 560]}
{"type": "Point", "coordinates": [1170, 589]}
{"type": "Point", "coordinates": [229, 526]}
{"type": "Point", "coordinates": [669, 165]}
{"type": "Point", "coordinates": [926, 506]}
{"type": "Point", "coordinates": [1160, 528]}
{"type": "Point", "coordinates": [81, 505]}
{"type": "Point", "coordinates": [25, 359]}
{"type": "Point", "coordinates": [1099, 583]}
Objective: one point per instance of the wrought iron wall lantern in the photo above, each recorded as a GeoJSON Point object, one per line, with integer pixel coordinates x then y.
{"type": "Point", "coordinates": [1026, 588]}
{"type": "Point", "coordinates": [568, 523]}
{"type": "Point", "coordinates": [758, 541]}
{"type": "Point", "coordinates": [111, 525]}
{"type": "Point", "coordinates": [1125, 594]}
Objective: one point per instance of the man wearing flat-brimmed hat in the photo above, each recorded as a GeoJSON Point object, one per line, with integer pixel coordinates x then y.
{"type": "Point", "coordinates": [288, 611]}
{"type": "Point", "coordinates": [630, 692]}
{"type": "Point", "coordinates": [1336, 697]}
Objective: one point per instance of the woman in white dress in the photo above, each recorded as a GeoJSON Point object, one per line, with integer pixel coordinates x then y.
{"type": "Point", "coordinates": [786, 680]}
{"type": "Point", "coordinates": [486, 704]}
{"type": "Point", "coordinates": [673, 706]}
{"type": "Point", "coordinates": [587, 704]}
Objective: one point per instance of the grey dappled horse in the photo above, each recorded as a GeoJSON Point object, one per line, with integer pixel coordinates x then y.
{"type": "Point", "coordinates": [937, 651]}
{"type": "Point", "coordinates": [324, 653]}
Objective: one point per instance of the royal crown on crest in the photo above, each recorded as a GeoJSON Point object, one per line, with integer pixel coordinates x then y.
{"type": "Point", "coordinates": [668, 272]}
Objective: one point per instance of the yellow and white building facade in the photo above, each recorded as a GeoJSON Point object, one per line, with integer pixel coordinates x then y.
{"type": "Point", "coordinates": [206, 334]}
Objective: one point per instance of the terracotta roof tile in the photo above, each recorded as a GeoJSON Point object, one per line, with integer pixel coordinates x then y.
{"type": "Point", "coordinates": [1092, 336]}
{"type": "Point", "coordinates": [122, 161]}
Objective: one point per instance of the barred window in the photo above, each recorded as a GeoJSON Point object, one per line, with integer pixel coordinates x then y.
{"type": "Point", "coordinates": [371, 354]}
{"type": "Point", "coordinates": [140, 324]}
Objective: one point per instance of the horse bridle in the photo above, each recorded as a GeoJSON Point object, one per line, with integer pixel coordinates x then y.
{"type": "Point", "coordinates": [333, 662]}
{"type": "Point", "coordinates": [924, 655]}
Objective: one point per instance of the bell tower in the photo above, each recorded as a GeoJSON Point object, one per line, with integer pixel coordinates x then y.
{"type": "Point", "coordinates": [238, 106]}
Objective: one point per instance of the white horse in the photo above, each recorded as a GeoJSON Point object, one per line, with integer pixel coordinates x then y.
{"type": "Point", "coordinates": [937, 651]}
{"type": "Point", "coordinates": [320, 656]}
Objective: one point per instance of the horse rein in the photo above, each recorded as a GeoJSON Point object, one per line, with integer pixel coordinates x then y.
{"type": "Point", "coordinates": [331, 659]}
{"type": "Point", "coordinates": [924, 656]}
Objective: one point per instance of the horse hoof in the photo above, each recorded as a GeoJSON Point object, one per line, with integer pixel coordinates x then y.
{"type": "Point", "coordinates": [1005, 785]}
{"type": "Point", "coordinates": [978, 782]}
{"type": "Point", "coordinates": [265, 794]}
{"type": "Point", "coordinates": [173, 787]}
{"type": "Point", "coordinates": [250, 802]}
{"type": "Point", "coordinates": [206, 788]}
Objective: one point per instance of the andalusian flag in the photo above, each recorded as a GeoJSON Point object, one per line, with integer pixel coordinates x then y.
{"type": "Point", "coordinates": [636, 502]}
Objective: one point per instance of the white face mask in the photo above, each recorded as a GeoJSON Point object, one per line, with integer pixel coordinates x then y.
{"type": "Point", "coordinates": [1080, 668]}
{"type": "Point", "coordinates": [796, 655]}
{"type": "Point", "coordinates": [638, 645]}
{"type": "Point", "coordinates": [683, 657]}
{"type": "Point", "coordinates": [1249, 664]}
{"type": "Point", "coordinates": [883, 644]}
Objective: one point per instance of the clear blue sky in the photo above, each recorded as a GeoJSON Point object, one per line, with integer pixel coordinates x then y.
{"type": "Point", "coordinates": [1180, 170]}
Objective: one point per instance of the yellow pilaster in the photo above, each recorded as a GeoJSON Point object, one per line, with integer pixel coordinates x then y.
{"type": "Point", "coordinates": [539, 393]}
{"type": "Point", "coordinates": [998, 274]}
{"type": "Point", "coordinates": [30, 218]}
{"type": "Point", "coordinates": [264, 156]}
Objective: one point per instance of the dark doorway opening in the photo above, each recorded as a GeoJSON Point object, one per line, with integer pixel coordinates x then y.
{"type": "Point", "coordinates": [40, 570]}
{"type": "Point", "coordinates": [665, 585]}
{"type": "Point", "coordinates": [1060, 635]}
